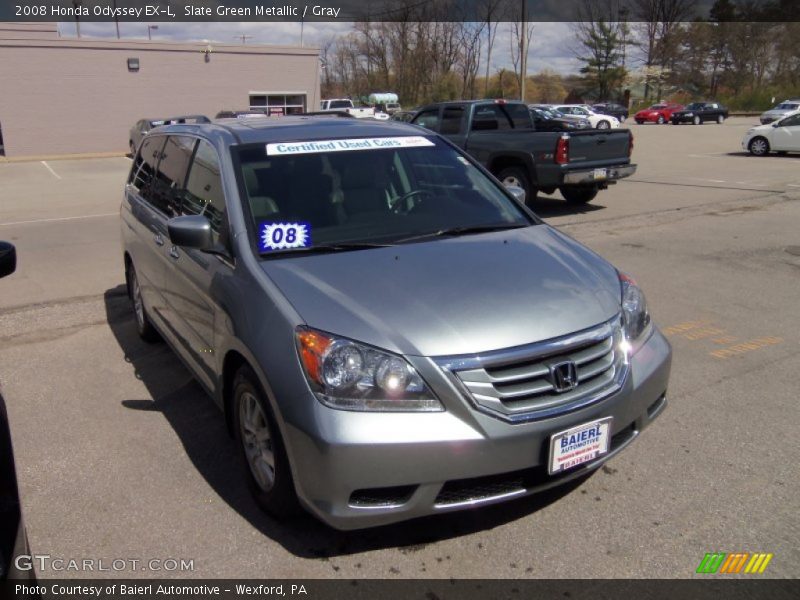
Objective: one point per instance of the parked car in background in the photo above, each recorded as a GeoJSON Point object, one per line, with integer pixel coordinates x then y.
{"type": "Point", "coordinates": [781, 110]}
{"type": "Point", "coordinates": [610, 108]}
{"type": "Point", "coordinates": [13, 540]}
{"type": "Point", "coordinates": [389, 332]}
{"type": "Point", "coordinates": [780, 136]}
{"type": "Point", "coordinates": [142, 126]}
{"type": "Point", "coordinates": [698, 113]}
{"type": "Point", "coordinates": [658, 113]}
{"type": "Point", "coordinates": [545, 120]}
{"type": "Point", "coordinates": [240, 114]}
{"type": "Point", "coordinates": [346, 105]}
{"type": "Point", "coordinates": [597, 121]}
{"type": "Point", "coordinates": [582, 122]}
{"type": "Point", "coordinates": [500, 135]}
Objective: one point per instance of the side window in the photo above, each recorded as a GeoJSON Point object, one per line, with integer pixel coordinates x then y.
{"type": "Point", "coordinates": [488, 117]}
{"type": "Point", "coordinates": [451, 120]}
{"type": "Point", "coordinates": [143, 170]}
{"type": "Point", "coordinates": [792, 121]}
{"type": "Point", "coordinates": [203, 194]}
{"type": "Point", "coordinates": [171, 174]}
{"type": "Point", "coordinates": [428, 119]}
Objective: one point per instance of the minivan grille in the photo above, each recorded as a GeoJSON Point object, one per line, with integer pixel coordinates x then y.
{"type": "Point", "coordinates": [523, 383]}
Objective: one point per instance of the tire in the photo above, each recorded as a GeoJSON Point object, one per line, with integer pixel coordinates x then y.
{"type": "Point", "coordinates": [720, 119]}
{"type": "Point", "coordinates": [144, 326]}
{"type": "Point", "coordinates": [603, 125]}
{"type": "Point", "coordinates": [261, 447]}
{"type": "Point", "coordinates": [579, 195]}
{"type": "Point", "coordinates": [639, 122]}
{"type": "Point", "coordinates": [758, 146]}
{"type": "Point", "coordinates": [518, 177]}
{"type": "Point", "coordinates": [696, 120]}
{"type": "Point", "coordinates": [660, 120]}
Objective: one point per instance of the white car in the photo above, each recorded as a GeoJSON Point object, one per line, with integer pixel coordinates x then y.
{"type": "Point", "coordinates": [596, 120]}
{"type": "Point", "coordinates": [781, 136]}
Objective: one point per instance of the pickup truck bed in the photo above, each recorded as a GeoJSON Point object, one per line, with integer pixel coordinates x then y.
{"type": "Point", "coordinates": [501, 136]}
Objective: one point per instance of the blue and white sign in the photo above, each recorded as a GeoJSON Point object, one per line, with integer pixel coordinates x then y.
{"type": "Point", "coordinates": [319, 146]}
{"type": "Point", "coordinates": [280, 236]}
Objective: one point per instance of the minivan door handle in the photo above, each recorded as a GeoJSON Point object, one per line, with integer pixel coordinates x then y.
{"type": "Point", "coordinates": [158, 239]}
{"type": "Point", "coordinates": [173, 252]}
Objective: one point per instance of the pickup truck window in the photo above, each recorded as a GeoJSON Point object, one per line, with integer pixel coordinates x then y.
{"type": "Point", "coordinates": [428, 119]}
{"type": "Point", "coordinates": [501, 117]}
{"type": "Point", "coordinates": [382, 195]}
{"type": "Point", "coordinates": [452, 116]}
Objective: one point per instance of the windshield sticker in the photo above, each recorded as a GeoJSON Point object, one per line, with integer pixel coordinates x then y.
{"type": "Point", "coordinates": [315, 147]}
{"type": "Point", "coordinates": [280, 236]}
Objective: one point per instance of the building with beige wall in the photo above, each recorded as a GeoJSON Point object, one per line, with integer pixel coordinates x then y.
{"type": "Point", "coordinates": [70, 96]}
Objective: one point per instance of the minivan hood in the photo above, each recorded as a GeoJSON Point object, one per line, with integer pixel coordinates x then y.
{"type": "Point", "coordinates": [450, 296]}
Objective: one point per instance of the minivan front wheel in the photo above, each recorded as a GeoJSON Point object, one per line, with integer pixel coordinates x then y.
{"type": "Point", "coordinates": [143, 325]}
{"type": "Point", "coordinates": [261, 447]}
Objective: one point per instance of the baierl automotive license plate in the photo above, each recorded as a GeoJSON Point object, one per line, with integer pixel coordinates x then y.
{"type": "Point", "coordinates": [579, 445]}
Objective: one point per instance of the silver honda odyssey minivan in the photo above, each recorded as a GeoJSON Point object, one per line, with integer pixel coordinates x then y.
{"type": "Point", "coordinates": [389, 332]}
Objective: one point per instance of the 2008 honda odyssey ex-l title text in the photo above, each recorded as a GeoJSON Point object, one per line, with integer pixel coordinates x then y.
{"type": "Point", "coordinates": [389, 331]}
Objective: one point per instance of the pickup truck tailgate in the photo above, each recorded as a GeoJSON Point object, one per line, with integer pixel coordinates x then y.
{"type": "Point", "coordinates": [599, 148]}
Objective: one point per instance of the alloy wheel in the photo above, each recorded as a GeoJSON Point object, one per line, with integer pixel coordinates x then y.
{"type": "Point", "coordinates": [257, 440]}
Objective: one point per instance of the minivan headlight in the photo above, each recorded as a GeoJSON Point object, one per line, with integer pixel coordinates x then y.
{"type": "Point", "coordinates": [635, 316]}
{"type": "Point", "coordinates": [346, 375]}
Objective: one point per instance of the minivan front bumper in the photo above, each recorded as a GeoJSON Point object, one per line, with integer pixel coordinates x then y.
{"type": "Point", "coordinates": [359, 469]}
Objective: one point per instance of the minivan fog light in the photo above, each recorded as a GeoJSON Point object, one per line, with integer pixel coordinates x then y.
{"type": "Point", "coordinates": [346, 375]}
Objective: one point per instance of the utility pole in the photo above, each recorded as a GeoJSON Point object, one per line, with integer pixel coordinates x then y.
{"type": "Point", "coordinates": [523, 47]}
{"type": "Point", "coordinates": [116, 18]}
{"type": "Point", "coordinates": [242, 37]}
{"type": "Point", "coordinates": [77, 5]}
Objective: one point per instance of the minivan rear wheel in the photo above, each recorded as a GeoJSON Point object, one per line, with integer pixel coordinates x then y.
{"type": "Point", "coordinates": [144, 326]}
{"type": "Point", "coordinates": [261, 447]}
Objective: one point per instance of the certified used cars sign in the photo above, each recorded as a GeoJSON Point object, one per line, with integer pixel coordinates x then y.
{"type": "Point", "coordinates": [380, 143]}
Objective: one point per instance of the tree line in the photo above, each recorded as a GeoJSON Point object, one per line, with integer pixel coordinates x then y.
{"type": "Point", "coordinates": [742, 53]}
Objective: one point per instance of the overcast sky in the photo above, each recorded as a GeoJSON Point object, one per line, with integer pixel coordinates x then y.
{"type": "Point", "coordinates": [548, 49]}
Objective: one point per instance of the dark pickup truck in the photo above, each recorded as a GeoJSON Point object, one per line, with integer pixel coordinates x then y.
{"type": "Point", "coordinates": [501, 136]}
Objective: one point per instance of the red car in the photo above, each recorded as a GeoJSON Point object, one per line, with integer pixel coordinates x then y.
{"type": "Point", "coordinates": [658, 113]}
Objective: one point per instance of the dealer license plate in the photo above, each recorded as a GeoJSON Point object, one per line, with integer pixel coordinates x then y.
{"type": "Point", "coordinates": [578, 445]}
{"type": "Point", "coordinates": [600, 173]}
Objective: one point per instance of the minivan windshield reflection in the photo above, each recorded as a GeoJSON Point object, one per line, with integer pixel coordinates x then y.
{"type": "Point", "coordinates": [327, 195]}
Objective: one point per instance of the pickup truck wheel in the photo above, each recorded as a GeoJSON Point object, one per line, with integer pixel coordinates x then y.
{"type": "Point", "coordinates": [261, 447]}
{"type": "Point", "coordinates": [660, 119]}
{"type": "Point", "coordinates": [579, 195]}
{"type": "Point", "coordinates": [604, 125]}
{"type": "Point", "coordinates": [516, 176]}
{"type": "Point", "coordinates": [144, 327]}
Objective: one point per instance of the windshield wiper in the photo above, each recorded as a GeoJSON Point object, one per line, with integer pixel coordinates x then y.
{"type": "Point", "coordinates": [321, 248]}
{"type": "Point", "coordinates": [466, 230]}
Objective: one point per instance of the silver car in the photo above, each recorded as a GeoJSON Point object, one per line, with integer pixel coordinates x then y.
{"type": "Point", "coordinates": [781, 110]}
{"type": "Point", "coordinates": [389, 332]}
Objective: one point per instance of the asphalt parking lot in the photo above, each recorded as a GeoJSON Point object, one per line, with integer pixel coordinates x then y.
{"type": "Point", "coordinates": [121, 455]}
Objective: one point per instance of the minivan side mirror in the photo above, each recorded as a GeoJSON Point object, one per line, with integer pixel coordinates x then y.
{"type": "Point", "coordinates": [190, 231]}
{"type": "Point", "coordinates": [517, 192]}
{"type": "Point", "coordinates": [8, 259]}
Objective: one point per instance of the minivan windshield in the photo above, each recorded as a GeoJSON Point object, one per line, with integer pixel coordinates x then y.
{"type": "Point", "coordinates": [350, 193]}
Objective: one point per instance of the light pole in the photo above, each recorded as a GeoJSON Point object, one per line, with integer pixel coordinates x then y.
{"type": "Point", "coordinates": [242, 37]}
{"type": "Point", "coordinates": [149, 29]}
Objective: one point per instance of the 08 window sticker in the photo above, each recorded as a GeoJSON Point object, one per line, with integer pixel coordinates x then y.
{"type": "Point", "coordinates": [283, 236]}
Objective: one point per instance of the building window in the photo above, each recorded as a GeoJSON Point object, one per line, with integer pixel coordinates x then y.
{"type": "Point", "coordinates": [275, 104]}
